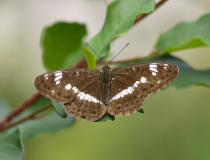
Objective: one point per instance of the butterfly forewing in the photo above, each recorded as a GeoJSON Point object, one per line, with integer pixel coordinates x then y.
{"type": "Point", "coordinates": [132, 83]}
{"type": "Point", "coordinates": [64, 85]}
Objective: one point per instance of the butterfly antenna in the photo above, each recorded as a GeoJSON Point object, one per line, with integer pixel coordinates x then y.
{"type": "Point", "coordinates": [92, 49]}
{"type": "Point", "coordinates": [119, 52]}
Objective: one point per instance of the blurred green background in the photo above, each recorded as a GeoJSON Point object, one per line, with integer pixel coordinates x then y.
{"type": "Point", "coordinates": [175, 124]}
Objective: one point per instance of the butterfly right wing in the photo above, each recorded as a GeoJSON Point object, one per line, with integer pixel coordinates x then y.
{"type": "Point", "coordinates": [132, 83]}
{"type": "Point", "coordinates": [64, 85]}
{"type": "Point", "coordinates": [122, 101]}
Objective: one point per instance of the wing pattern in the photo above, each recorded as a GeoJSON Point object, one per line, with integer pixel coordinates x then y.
{"type": "Point", "coordinates": [81, 89]}
{"type": "Point", "coordinates": [88, 104]}
{"type": "Point", "coordinates": [78, 89]}
{"type": "Point", "coordinates": [132, 83]}
{"type": "Point", "coordinates": [64, 85]}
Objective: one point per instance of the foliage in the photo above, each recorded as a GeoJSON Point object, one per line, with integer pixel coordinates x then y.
{"type": "Point", "coordinates": [185, 35]}
{"type": "Point", "coordinates": [61, 44]}
{"type": "Point", "coordinates": [11, 146]}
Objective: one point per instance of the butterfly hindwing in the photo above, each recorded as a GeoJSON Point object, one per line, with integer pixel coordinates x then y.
{"type": "Point", "coordinates": [87, 104]}
{"type": "Point", "coordinates": [124, 100]}
{"type": "Point", "coordinates": [132, 83]}
{"type": "Point", "coordinates": [64, 85]}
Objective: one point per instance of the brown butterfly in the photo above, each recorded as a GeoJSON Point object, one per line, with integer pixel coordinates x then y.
{"type": "Point", "coordinates": [90, 93]}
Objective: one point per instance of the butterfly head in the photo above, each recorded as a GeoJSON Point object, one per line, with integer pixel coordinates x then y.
{"type": "Point", "coordinates": [106, 67]}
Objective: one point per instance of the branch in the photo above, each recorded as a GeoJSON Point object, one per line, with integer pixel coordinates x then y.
{"type": "Point", "coordinates": [81, 64]}
{"type": "Point", "coordinates": [157, 5]}
{"type": "Point", "coordinates": [19, 109]}
{"type": "Point", "coordinates": [33, 115]}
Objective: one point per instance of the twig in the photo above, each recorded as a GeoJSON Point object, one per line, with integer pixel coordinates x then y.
{"type": "Point", "coordinates": [81, 64]}
{"type": "Point", "coordinates": [157, 5]}
{"type": "Point", "coordinates": [20, 108]}
{"type": "Point", "coordinates": [33, 115]}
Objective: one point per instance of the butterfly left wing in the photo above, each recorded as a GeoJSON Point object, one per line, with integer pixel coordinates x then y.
{"type": "Point", "coordinates": [64, 85]}
{"type": "Point", "coordinates": [132, 83]}
{"type": "Point", "coordinates": [79, 90]}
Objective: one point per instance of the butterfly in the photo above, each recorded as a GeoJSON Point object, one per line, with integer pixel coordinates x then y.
{"type": "Point", "coordinates": [90, 93]}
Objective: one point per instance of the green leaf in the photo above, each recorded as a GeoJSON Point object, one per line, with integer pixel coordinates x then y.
{"type": "Point", "coordinates": [61, 44]}
{"type": "Point", "coordinates": [119, 20]}
{"type": "Point", "coordinates": [90, 58]}
{"type": "Point", "coordinates": [48, 124]}
{"type": "Point", "coordinates": [186, 35]}
{"type": "Point", "coordinates": [141, 110]}
{"type": "Point", "coordinates": [106, 117]}
{"type": "Point", "coordinates": [187, 76]}
{"type": "Point", "coordinates": [59, 108]}
{"type": "Point", "coordinates": [11, 147]}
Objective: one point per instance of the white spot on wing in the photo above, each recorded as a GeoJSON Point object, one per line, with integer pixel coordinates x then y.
{"type": "Point", "coordinates": [58, 74]}
{"type": "Point", "coordinates": [165, 67]}
{"type": "Point", "coordinates": [77, 73]}
{"type": "Point", "coordinates": [82, 96]}
{"type": "Point", "coordinates": [117, 96]}
{"type": "Point", "coordinates": [154, 73]}
{"type": "Point", "coordinates": [94, 100]}
{"type": "Point", "coordinates": [46, 75]}
{"type": "Point", "coordinates": [134, 69]}
{"type": "Point", "coordinates": [143, 79]}
{"type": "Point", "coordinates": [52, 91]}
{"type": "Point", "coordinates": [58, 82]}
{"type": "Point", "coordinates": [153, 69]}
{"type": "Point", "coordinates": [123, 93]}
{"type": "Point", "coordinates": [165, 64]}
{"type": "Point", "coordinates": [136, 84]}
{"type": "Point", "coordinates": [57, 78]}
{"type": "Point", "coordinates": [87, 97]}
{"type": "Point", "coordinates": [68, 87]}
{"type": "Point", "coordinates": [129, 91]}
{"type": "Point", "coordinates": [131, 88]}
{"type": "Point", "coordinates": [75, 89]}
{"type": "Point", "coordinates": [153, 65]}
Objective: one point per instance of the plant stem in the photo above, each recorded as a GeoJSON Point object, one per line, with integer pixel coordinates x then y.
{"type": "Point", "coordinates": [19, 109]}
{"type": "Point", "coordinates": [152, 54]}
{"type": "Point", "coordinates": [157, 5]}
{"type": "Point", "coordinates": [33, 115]}
{"type": "Point", "coordinates": [5, 123]}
